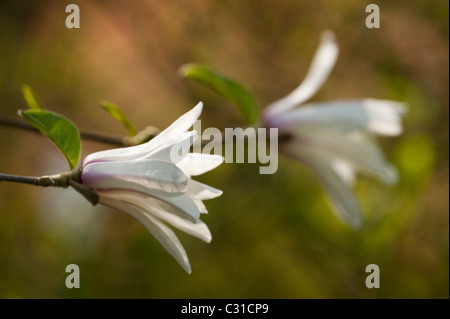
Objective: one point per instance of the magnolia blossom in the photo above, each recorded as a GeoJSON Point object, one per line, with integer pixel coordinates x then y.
{"type": "Point", "coordinates": [334, 139]}
{"type": "Point", "coordinates": [152, 183]}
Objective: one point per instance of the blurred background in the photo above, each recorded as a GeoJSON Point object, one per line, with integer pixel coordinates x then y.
{"type": "Point", "coordinates": [274, 236]}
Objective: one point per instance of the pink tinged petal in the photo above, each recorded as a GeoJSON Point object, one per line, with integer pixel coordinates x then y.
{"type": "Point", "coordinates": [201, 191]}
{"type": "Point", "coordinates": [134, 152]}
{"type": "Point", "coordinates": [341, 196]}
{"type": "Point", "coordinates": [148, 176]}
{"type": "Point", "coordinates": [354, 147]}
{"type": "Point", "coordinates": [196, 164]}
{"type": "Point", "coordinates": [319, 70]}
{"type": "Point", "coordinates": [378, 116]}
{"type": "Point", "coordinates": [182, 206]}
{"type": "Point", "coordinates": [157, 228]}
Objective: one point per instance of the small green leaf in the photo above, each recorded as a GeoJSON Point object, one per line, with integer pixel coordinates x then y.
{"type": "Point", "coordinates": [118, 115]}
{"type": "Point", "coordinates": [225, 87]}
{"type": "Point", "coordinates": [31, 98]}
{"type": "Point", "coordinates": [62, 132]}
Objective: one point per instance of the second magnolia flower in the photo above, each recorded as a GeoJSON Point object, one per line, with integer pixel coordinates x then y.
{"type": "Point", "coordinates": [155, 187]}
{"type": "Point", "coordinates": [335, 139]}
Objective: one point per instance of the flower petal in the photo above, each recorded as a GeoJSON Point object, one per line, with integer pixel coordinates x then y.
{"type": "Point", "coordinates": [344, 169]}
{"type": "Point", "coordinates": [182, 124]}
{"type": "Point", "coordinates": [342, 197]}
{"type": "Point", "coordinates": [355, 147]}
{"type": "Point", "coordinates": [162, 211]}
{"type": "Point", "coordinates": [319, 70]}
{"type": "Point", "coordinates": [180, 144]}
{"type": "Point", "coordinates": [198, 229]}
{"type": "Point", "coordinates": [157, 228]}
{"type": "Point", "coordinates": [201, 191]}
{"type": "Point", "coordinates": [196, 163]}
{"type": "Point", "coordinates": [201, 207]}
{"type": "Point", "coordinates": [182, 206]}
{"type": "Point", "coordinates": [378, 116]}
{"type": "Point", "coordinates": [149, 176]}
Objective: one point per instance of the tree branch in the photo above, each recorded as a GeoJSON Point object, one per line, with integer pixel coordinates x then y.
{"type": "Point", "coordinates": [63, 180]}
{"type": "Point", "coordinates": [97, 137]}
{"type": "Point", "coordinates": [19, 179]}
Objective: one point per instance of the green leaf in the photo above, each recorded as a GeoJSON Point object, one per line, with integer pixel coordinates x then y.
{"type": "Point", "coordinates": [225, 87]}
{"type": "Point", "coordinates": [31, 98]}
{"type": "Point", "coordinates": [118, 115]}
{"type": "Point", "coordinates": [62, 132]}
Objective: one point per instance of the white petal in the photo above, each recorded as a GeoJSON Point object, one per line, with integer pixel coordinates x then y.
{"type": "Point", "coordinates": [344, 169]}
{"type": "Point", "coordinates": [385, 116]}
{"type": "Point", "coordinates": [182, 124]}
{"type": "Point", "coordinates": [182, 206]}
{"type": "Point", "coordinates": [157, 228]}
{"type": "Point", "coordinates": [342, 197]}
{"type": "Point", "coordinates": [194, 164]}
{"type": "Point", "coordinates": [162, 211]}
{"type": "Point", "coordinates": [148, 176]}
{"type": "Point", "coordinates": [197, 229]}
{"type": "Point", "coordinates": [355, 147]}
{"type": "Point", "coordinates": [201, 207]}
{"type": "Point", "coordinates": [201, 191]}
{"type": "Point", "coordinates": [378, 116]}
{"type": "Point", "coordinates": [319, 70]}
{"type": "Point", "coordinates": [180, 144]}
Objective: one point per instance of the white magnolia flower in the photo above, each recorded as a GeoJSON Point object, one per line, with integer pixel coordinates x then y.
{"type": "Point", "coordinates": [335, 138]}
{"type": "Point", "coordinates": [152, 182]}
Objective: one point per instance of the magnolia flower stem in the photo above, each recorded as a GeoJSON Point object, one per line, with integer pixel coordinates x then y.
{"type": "Point", "coordinates": [63, 180]}
{"type": "Point", "coordinates": [88, 193]}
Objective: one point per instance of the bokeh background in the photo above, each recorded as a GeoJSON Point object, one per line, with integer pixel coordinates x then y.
{"type": "Point", "coordinates": [274, 236]}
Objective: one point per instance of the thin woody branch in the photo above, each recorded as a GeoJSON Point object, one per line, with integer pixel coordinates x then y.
{"type": "Point", "coordinates": [60, 180]}
{"type": "Point", "coordinates": [63, 180]}
{"type": "Point", "coordinates": [97, 137]}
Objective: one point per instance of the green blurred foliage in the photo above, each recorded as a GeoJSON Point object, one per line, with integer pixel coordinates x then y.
{"type": "Point", "coordinates": [119, 116]}
{"type": "Point", "coordinates": [224, 86]}
{"type": "Point", "coordinates": [30, 98]}
{"type": "Point", "coordinates": [274, 236]}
